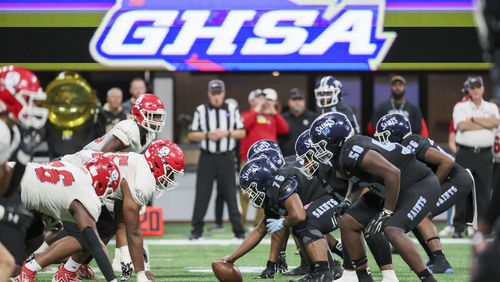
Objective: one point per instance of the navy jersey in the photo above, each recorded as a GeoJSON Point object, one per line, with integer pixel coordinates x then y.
{"type": "Point", "coordinates": [328, 179]}
{"type": "Point", "coordinates": [288, 180]}
{"type": "Point", "coordinates": [354, 150]}
{"type": "Point", "coordinates": [346, 110]}
{"type": "Point", "coordinates": [419, 146]}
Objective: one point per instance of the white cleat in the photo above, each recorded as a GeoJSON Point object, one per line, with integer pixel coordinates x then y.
{"type": "Point", "coordinates": [389, 276]}
{"type": "Point", "coordinates": [447, 231]}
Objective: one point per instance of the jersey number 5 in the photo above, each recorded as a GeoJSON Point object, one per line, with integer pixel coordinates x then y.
{"type": "Point", "coordinates": [53, 176]}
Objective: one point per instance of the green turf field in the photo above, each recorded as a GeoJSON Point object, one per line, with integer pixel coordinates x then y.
{"type": "Point", "coordinates": [192, 263]}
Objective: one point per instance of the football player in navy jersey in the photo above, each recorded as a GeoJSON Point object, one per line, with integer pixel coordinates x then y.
{"type": "Point", "coordinates": [390, 171]}
{"type": "Point", "coordinates": [333, 183]}
{"type": "Point", "coordinates": [456, 181]}
{"type": "Point", "coordinates": [289, 199]}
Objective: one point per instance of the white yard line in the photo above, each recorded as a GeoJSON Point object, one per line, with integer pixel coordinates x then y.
{"type": "Point", "coordinates": [231, 242]}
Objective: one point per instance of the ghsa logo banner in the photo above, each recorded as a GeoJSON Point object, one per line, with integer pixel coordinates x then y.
{"type": "Point", "coordinates": [220, 35]}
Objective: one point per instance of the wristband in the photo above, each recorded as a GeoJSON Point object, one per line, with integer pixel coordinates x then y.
{"type": "Point", "coordinates": [387, 211]}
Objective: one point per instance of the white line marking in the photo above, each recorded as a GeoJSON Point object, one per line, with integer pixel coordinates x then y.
{"type": "Point", "coordinates": [231, 242]}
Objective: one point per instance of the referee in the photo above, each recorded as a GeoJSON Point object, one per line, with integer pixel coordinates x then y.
{"type": "Point", "coordinates": [217, 125]}
{"type": "Point", "coordinates": [475, 121]}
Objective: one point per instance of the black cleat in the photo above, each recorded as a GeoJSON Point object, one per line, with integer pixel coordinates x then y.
{"type": "Point", "coordinates": [299, 270]}
{"type": "Point", "coordinates": [267, 273]}
{"type": "Point", "coordinates": [440, 266]}
{"type": "Point", "coordinates": [336, 270]}
{"type": "Point", "coordinates": [324, 276]}
{"type": "Point", "coordinates": [281, 265]}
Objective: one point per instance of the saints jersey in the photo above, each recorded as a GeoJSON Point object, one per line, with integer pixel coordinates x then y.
{"type": "Point", "coordinates": [288, 180]}
{"type": "Point", "coordinates": [329, 180]}
{"type": "Point", "coordinates": [9, 141]}
{"type": "Point", "coordinates": [354, 150]}
{"type": "Point", "coordinates": [51, 188]}
{"type": "Point", "coordinates": [127, 131]}
{"type": "Point", "coordinates": [419, 146]}
{"type": "Point", "coordinates": [133, 168]}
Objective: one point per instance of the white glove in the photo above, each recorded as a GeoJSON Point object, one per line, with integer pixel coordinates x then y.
{"type": "Point", "coordinates": [141, 277]}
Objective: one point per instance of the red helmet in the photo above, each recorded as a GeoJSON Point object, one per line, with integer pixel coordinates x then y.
{"type": "Point", "coordinates": [149, 112]}
{"type": "Point", "coordinates": [166, 160]}
{"type": "Point", "coordinates": [19, 91]}
{"type": "Point", "coordinates": [105, 175]}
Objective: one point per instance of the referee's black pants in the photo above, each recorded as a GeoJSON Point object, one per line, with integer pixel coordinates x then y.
{"type": "Point", "coordinates": [218, 167]}
{"type": "Point", "coordinates": [480, 163]}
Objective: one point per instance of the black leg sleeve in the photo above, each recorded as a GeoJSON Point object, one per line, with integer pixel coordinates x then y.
{"type": "Point", "coordinates": [15, 181]}
{"type": "Point", "coordinates": [422, 242]}
{"type": "Point", "coordinates": [100, 256]}
{"type": "Point", "coordinates": [380, 248]}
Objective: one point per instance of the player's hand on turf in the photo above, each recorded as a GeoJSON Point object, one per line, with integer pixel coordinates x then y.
{"type": "Point", "coordinates": [281, 265]}
{"type": "Point", "coordinates": [127, 271]}
{"type": "Point", "coordinates": [377, 224]}
{"type": "Point", "coordinates": [15, 214]}
{"type": "Point", "coordinates": [143, 277]}
{"type": "Point", "coordinates": [341, 208]}
{"type": "Point", "coordinates": [269, 271]}
{"type": "Point", "coordinates": [274, 225]}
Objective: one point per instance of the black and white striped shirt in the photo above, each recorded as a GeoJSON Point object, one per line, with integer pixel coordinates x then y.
{"type": "Point", "coordinates": [207, 118]}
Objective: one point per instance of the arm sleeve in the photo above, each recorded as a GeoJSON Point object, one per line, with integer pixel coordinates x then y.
{"type": "Point", "coordinates": [100, 256]}
{"type": "Point", "coordinates": [281, 124]}
{"type": "Point", "coordinates": [238, 122]}
{"type": "Point", "coordinates": [195, 123]}
{"type": "Point", "coordinates": [17, 175]}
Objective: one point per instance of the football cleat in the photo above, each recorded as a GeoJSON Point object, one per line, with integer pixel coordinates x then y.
{"type": "Point", "coordinates": [26, 275]}
{"type": "Point", "coordinates": [64, 275]}
{"type": "Point", "coordinates": [126, 271]}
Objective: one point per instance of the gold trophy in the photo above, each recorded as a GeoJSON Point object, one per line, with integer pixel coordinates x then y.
{"type": "Point", "coordinates": [71, 102]}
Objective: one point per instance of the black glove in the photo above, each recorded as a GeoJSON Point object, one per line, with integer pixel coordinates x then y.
{"type": "Point", "coordinates": [375, 226]}
{"type": "Point", "coordinates": [126, 271]}
{"type": "Point", "coordinates": [341, 208]}
{"type": "Point", "coordinates": [15, 214]}
{"type": "Point", "coordinates": [269, 271]}
{"type": "Point", "coordinates": [30, 139]}
{"type": "Point", "coordinates": [281, 265]}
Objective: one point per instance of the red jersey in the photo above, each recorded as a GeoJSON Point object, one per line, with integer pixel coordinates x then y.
{"type": "Point", "coordinates": [261, 126]}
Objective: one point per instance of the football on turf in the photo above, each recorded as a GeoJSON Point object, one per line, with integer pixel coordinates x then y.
{"type": "Point", "coordinates": [226, 272]}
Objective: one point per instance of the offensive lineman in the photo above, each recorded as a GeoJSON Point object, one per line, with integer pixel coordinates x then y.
{"type": "Point", "coordinates": [286, 192]}
{"type": "Point", "coordinates": [331, 182]}
{"type": "Point", "coordinates": [456, 182]}
{"type": "Point", "coordinates": [389, 171]}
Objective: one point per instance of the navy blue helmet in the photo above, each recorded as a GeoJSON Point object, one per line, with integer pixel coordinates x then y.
{"type": "Point", "coordinates": [262, 145]}
{"type": "Point", "coordinates": [305, 154]}
{"type": "Point", "coordinates": [271, 154]}
{"type": "Point", "coordinates": [254, 178]}
{"type": "Point", "coordinates": [328, 133]}
{"type": "Point", "coordinates": [329, 92]}
{"type": "Point", "coordinates": [392, 128]}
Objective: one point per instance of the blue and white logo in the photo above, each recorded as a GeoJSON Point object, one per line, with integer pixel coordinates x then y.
{"type": "Point", "coordinates": [219, 35]}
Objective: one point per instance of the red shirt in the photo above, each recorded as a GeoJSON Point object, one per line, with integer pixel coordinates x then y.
{"type": "Point", "coordinates": [260, 126]}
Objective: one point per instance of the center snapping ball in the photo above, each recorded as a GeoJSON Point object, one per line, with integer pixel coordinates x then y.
{"type": "Point", "coordinates": [226, 272]}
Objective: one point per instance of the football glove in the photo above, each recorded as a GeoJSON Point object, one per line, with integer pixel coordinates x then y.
{"type": "Point", "coordinates": [274, 225]}
{"type": "Point", "coordinates": [375, 226]}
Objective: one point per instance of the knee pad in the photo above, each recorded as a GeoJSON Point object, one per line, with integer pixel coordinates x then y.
{"type": "Point", "coordinates": [306, 233]}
